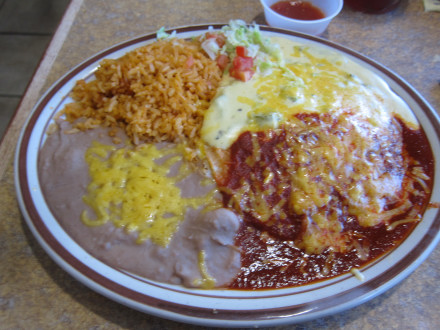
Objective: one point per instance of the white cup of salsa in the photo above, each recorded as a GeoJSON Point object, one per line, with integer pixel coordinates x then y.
{"type": "Point", "coordinates": [328, 8]}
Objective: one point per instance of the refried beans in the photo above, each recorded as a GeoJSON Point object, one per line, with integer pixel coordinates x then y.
{"type": "Point", "coordinates": [64, 178]}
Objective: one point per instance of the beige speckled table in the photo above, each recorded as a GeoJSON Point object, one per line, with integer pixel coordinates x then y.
{"type": "Point", "coordinates": [36, 293]}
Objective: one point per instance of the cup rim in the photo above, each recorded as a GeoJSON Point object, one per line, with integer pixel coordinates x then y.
{"type": "Point", "coordinates": [307, 22]}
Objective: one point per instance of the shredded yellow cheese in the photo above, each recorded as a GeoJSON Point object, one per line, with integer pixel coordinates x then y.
{"type": "Point", "coordinates": [135, 190]}
{"type": "Point", "coordinates": [334, 167]}
{"type": "Point", "coordinates": [207, 281]}
{"type": "Point", "coordinates": [357, 273]}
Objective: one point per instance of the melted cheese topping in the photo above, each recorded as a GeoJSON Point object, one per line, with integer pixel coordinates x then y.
{"type": "Point", "coordinates": [136, 189]}
{"type": "Point", "coordinates": [312, 81]}
{"type": "Point", "coordinates": [325, 150]}
{"type": "Point", "coordinates": [307, 181]}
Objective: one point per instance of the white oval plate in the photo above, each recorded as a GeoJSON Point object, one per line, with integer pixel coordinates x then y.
{"type": "Point", "coordinates": [225, 308]}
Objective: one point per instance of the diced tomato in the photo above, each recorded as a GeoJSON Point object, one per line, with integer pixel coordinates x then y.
{"type": "Point", "coordinates": [241, 51]}
{"type": "Point", "coordinates": [219, 38]}
{"type": "Point", "coordinates": [189, 62]}
{"type": "Point", "coordinates": [242, 75]}
{"type": "Point", "coordinates": [243, 63]}
{"type": "Point", "coordinates": [222, 61]}
{"type": "Point", "coordinates": [242, 68]}
{"type": "Point", "coordinates": [210, 35]}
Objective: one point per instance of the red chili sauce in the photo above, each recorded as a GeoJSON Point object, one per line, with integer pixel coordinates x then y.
{"type": "Point", "coordinates": [302, 10]}
{"type": "Point", "coordinates": [271, 260]}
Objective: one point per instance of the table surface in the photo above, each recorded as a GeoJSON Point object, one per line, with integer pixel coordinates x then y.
{"type": "Point", "coordinates": [36, 293]}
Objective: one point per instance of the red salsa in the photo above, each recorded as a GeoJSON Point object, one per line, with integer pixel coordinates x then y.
{"type": "Point", "coordinates": [298, 10]}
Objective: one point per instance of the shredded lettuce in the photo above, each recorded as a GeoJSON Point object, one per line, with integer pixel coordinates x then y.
{"type": "Point", "coordinates": [266, 54]}
{"type": "Point", "coordinates": [211, 48]}
{"type": "Point", "coordinates": [162, 35]}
